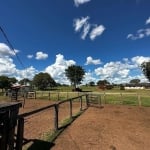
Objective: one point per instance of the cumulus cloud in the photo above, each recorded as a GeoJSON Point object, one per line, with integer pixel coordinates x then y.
{"type": "Point", "coordinates": [6, 62]}
{"type": "Point", "coordinates": [83, 23]}
{"type": "Point", "coordinates": [8, 68]}
{"type": "Point", "coordinates": [41, 56]}
{"type": "Point", "coordinates": [29, 56]}
{"type": "Point", "coordinates": [89, 77]}
{"type": "Point", "coordinates": [122, 71]}
{"type": "Point", "coordinates": [26, 73]}
{"type": "Point", "coordinates": [138, 60]}
{"type": "Point", "coordinates": [148, 21]}
{"type": "Point", "coordinates": [79, 2]}
{"type": "Point", "coordinates": [117, 72]}
{"type": "Point", "coordinates": [6, 51]}
{"type": "Point", "coordinates": [97, 31]}
{"type": "Point", "coordinates": [57, 70]}
{"type": "Point", "coordinates": [90, 60]}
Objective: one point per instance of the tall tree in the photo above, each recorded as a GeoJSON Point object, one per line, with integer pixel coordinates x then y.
{"type": "Point", "coordinates": [146, 69]}
{"type": "Point", "coordinates": [4, 82]}
{"type": "Point", "coordinates": [75, 74]}
{"type": "Point", "coordinates": [135, 81]}
{"type": "Point", "coordinates": [43, 80]}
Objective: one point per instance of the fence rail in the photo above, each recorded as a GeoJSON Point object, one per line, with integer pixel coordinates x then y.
{"type": "Point", "coordinates": [24, 119]}
{"type": "Point", "coordinates": [74, 104]}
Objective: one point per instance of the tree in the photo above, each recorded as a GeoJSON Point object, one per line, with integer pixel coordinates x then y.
{"type": "Point", "coordinates": [12, 80]}
{"type": "Point", "coordinates": [24, 81]}
{"type": "Point", "coordinates": [145, 66]}
{"type": "Point", "coordinates": [4, 82]}
{"type": "Point", "coordinates": [91, 83]}
{"type": "Point", "coordinates": [43, 80]}
{"type": "Point", "coordinates": [102, 82]}
{"type": "Point", "coordinates": [75, 74]}
{"type": "Point", "coordinates": [135, 81]}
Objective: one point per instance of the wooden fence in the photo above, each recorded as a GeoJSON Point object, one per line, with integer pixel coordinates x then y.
{"type": "Point", "coordinates": [52, 95]}
{"type": "Point", "coordinates": [80, 101]}
{"type": "Point", "coordinates": [21, 140]}
{"type": "Point", "coordinates": [134, 99]}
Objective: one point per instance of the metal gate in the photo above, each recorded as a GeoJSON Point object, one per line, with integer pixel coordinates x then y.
{"type": "Point", "coordinates": [94, 100]}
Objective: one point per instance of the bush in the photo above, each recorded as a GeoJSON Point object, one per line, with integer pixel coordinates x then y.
{"type": "Point", "coordinates": [77, 90]}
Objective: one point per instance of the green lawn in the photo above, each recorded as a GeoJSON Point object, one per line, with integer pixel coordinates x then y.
{"type": "Point", "coordinates": [114, 96]}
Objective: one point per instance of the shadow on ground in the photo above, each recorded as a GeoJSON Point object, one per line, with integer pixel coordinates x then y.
{"type": "Point", "coordinates": [40, 145]}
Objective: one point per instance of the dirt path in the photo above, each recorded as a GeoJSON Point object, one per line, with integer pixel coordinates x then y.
{"type": "Point", "coordinates": [108, 128]}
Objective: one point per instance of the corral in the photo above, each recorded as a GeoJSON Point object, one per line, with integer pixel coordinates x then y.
{"type": "Point", "coordinates": [109, 127]}
{"type": "Point", "coordinates": [114, 127]}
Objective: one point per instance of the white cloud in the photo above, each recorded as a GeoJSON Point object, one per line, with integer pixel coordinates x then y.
{"type": "Point", "coordinates": [138, 60]}
{"type": "Point", "coordinates": [25, 73]}
{"type": "Point", "coordinates": [84, 23]}
{"type": "Point", "coordinates": [41, 56]}
{"type": "Point", "coordinates": [148, 21]}
{"type": "Point", "coordinates": [97, 31]}
{"type": "Point", "coordinates": [90, 60]}
{"type": "Point", "coordinates": [79, 23]}
{"type": "Point", "coordinates": [29, 56]}
{"type": "Point", "coordinates": [122, 71]}
{"type": "Point", "coordinates": [57, 70]}
{"type": "Point", "coordinates": [142, 33]}
{"type": "Point", "coordinates": [89, 77]}
{"type": "Point", "coordinates": [117, 72]}
{"type": "Point", "coordinates": [8, 68]}
{"type": "Point", "coordinates": [85, 30]}
{"type": "Point", "coordinates": [79, 2]}
{"type": "Point", "coordinates": [6, 51]}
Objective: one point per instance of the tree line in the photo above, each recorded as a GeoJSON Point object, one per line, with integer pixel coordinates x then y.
{"type": "Point", "coordinates": [74, 73]}
{"type": "Point", "coordinates": [42, 80]}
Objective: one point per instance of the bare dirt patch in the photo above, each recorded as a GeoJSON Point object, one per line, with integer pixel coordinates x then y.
{"type": "Point", "coordinates": [38, 125]}
{"type": "Point", "coordinates": [110, 128]}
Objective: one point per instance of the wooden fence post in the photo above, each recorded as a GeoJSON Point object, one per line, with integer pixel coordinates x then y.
{"type": "Point", "coordinates": [121, 97]}
{"type": "Point", "coordinates": [20, 132]}
{"type": "Point", "coordinates": [70, 108]}
{"type": "Point", "coordinates": [56, 117]}
{"type": "Point", "coordinates": [58, 96]}
{"type": "Point", "coordinates": [104, 97]}
{"type": "Point", "coordinates": [99, 100]}
{"type": "Point", "coordinates": [81, 103]}
{"type": "Point", "coordinates": [87, 100]}
{"type": "Point", "coordinates": [49, 96]}
{"type": "Point", "coordinates": [35, 94]}
{"type": "Point", "coordinates": [67, 96]}
{"type": "Point", "coordinates": [139, 99]}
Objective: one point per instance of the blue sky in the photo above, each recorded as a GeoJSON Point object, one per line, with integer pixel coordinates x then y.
{"type": "Point", "coordinates": [108, 39]}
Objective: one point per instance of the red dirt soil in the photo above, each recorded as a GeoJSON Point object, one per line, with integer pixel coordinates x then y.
{"type": "Point", "coordinates": [113, 127]}
{"type": "Point", "coordinates": [39, 124]}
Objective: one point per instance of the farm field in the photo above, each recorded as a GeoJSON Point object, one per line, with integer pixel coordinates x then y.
{"type": "Point", "coordinates": [113, 127]}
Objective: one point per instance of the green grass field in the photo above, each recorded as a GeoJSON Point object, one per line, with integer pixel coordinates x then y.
{"type": "Point", "coordinates": [113, 96]}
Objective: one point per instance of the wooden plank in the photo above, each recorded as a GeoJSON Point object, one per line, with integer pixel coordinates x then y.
{"type": "Point", "coordinates": [56, 116]}
{"type": "Point", "coordinates": [20, 132]}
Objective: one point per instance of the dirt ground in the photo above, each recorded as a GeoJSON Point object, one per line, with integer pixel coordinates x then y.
{"type": "Point", "coordinates": [113, 127]}
{"type": "Point", "coordinates": [39, 124]}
